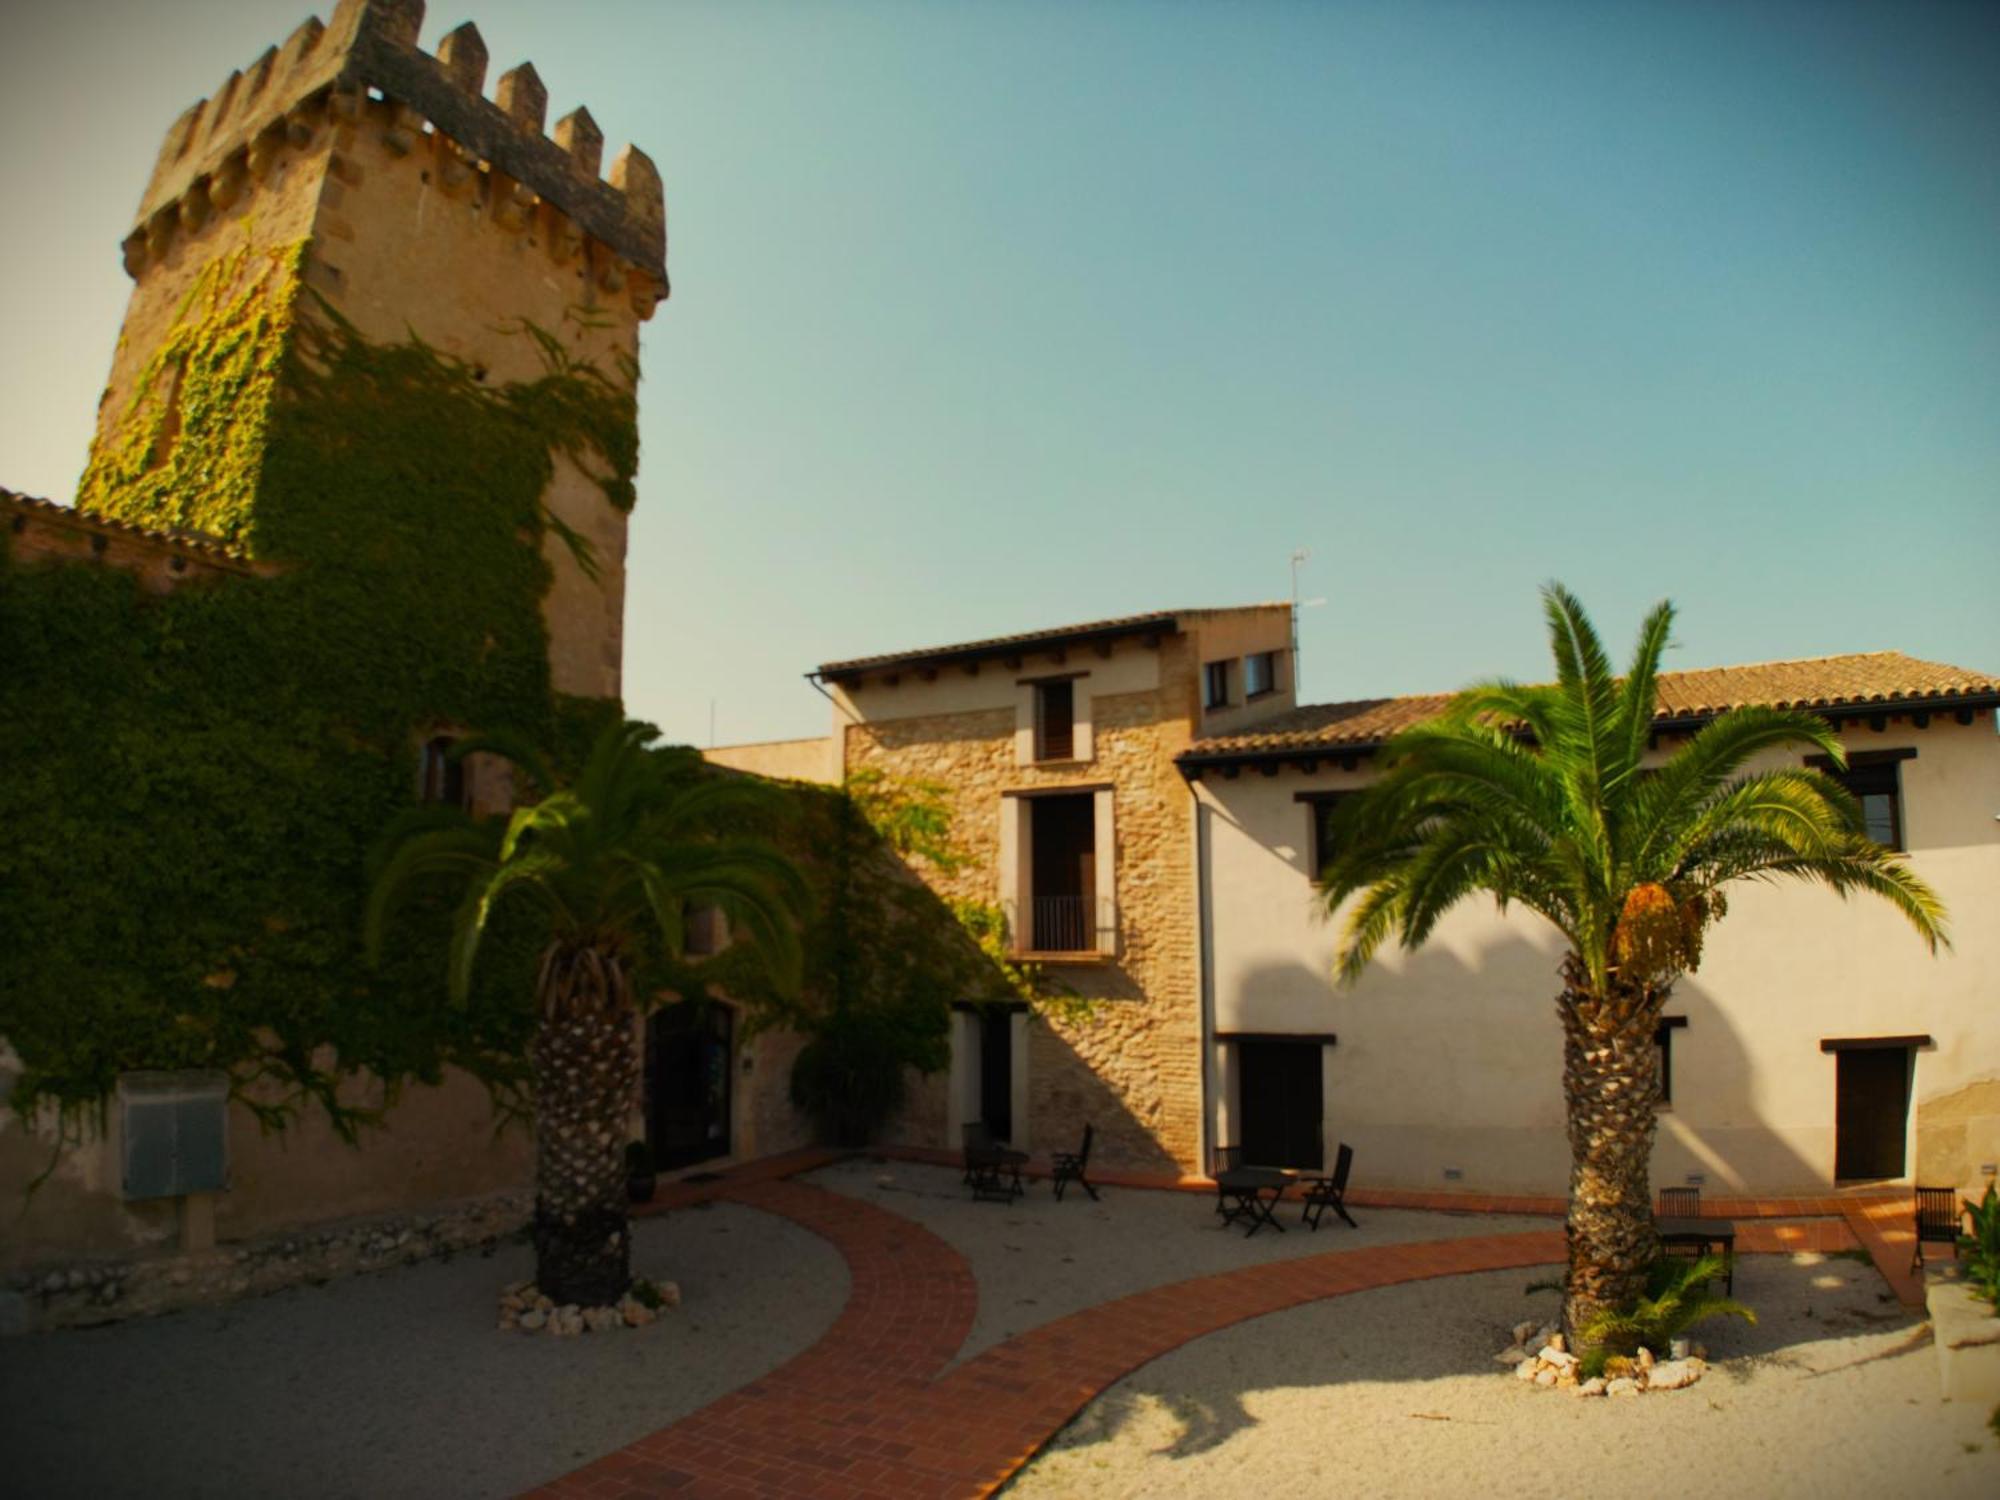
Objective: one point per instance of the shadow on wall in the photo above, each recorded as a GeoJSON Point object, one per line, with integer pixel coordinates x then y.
{"type": "Point", "coordinates": [1451, 1058]}
{"type": "Point", "coordinates": [1089, 1073]}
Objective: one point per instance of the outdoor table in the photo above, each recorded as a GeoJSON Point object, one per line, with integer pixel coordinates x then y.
{"type": "Point", "coordinates": [1701, 1233]}
{"type": "Point", "coordinates": [995, 1172]}
{"type": "Point", "coordinates": [1250, 1193]}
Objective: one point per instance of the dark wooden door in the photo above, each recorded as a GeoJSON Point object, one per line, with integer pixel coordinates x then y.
{"type": "Point", "coordinates": [1282, 1104]}
{"type": "Point", "coordinates": [1871, 1112]}
{"type": "Point", "coordinates": [996, 1073]}
{"type": "Point", "coordinates": [687, 1083]}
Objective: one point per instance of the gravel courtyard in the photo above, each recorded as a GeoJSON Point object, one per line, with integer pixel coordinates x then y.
{"type": "Point", "coordinates": [397, 1384]}
{"type": "Point", "coordinates": [1037, 1260]}
{"type": "Point", "coordinates": [1395, 1393]}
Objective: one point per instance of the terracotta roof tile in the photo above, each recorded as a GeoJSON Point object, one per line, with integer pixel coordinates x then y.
{"type": "Point", "coordinates": [1820, 682]}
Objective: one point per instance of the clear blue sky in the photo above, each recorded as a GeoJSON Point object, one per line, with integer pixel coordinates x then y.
{"type": "Point", "coordinates": [993, 316]}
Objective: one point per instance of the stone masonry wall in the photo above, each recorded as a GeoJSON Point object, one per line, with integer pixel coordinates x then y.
{"type": "Point", "coordinates": [1133, 1067]}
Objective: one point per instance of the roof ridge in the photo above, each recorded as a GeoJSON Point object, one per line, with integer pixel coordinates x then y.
{"type": "Point", "coordinates": [1735, 666]}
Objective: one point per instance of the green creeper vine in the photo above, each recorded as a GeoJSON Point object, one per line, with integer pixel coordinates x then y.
{"type": "Point", "coordinates": [886, 957]}
{"type": "Point", "coordinates": [193, 780]}
{"type": "Point", "coordinates": [188, 449]}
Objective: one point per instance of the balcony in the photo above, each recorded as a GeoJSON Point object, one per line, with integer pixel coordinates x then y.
{"type": "Point", "coordinates": [1073, 929]}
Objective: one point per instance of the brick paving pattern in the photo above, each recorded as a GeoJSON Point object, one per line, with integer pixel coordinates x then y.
{"type": "Point", "coordinates": [871, 1412]}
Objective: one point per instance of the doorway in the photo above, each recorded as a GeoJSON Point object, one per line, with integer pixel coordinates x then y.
{"type": "Point", "coordinates": [1283, 1104]}
{"type": "Point", "coordinates": [996, 1072]}
{"type": "Point", "coordinates": [1871, 1112]}
{"type": "Point", "coordinates": [687, 1083]}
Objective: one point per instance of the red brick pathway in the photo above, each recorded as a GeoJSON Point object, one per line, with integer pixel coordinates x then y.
{"type": "Point", "coordinates": [869, 1413]}
{"type": "Point", "coordinates": [862, 1415]}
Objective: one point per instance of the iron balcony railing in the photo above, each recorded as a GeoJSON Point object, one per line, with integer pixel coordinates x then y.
{"type": "Point", "coordinates": [1062, 925]}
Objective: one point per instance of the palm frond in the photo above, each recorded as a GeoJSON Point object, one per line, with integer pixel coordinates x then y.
{"type": "Point", "coordinates": [1663, 805]}
{"type": "Point", "coordinates": [461, 850]}
{"type": "Point", "coordinates": [1639, 697]}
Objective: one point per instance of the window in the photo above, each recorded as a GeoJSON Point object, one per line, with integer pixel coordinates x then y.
{"type": "Point", "coordinates": [1063, 850]}
{"type": "Point", "coordinates": [1260, 674]}
{"type": "Point", "coordinates": [1215, 685]}
{"type": "Point", "coordinates": [1875, 782]}
{"type": "Point", "coordinates": [442, 779]}
{"type": "Point", "coordinates": [1058, 871]}
{"type": "Point", "coordinates": [1319, 807]}
{"type": "Point", "coordinates": [1663, 1046]}
{"type": "Point", "coordinates": [1055, 720]}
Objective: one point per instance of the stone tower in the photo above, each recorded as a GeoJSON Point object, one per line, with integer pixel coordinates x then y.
{"type": "Point", "coordinates": [383, 180]}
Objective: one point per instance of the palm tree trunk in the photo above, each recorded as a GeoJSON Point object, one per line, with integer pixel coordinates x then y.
{"type": "Point", "coordinates": [586, 1078]}
{"type": "Point", "coordinates": [1611, 1091]}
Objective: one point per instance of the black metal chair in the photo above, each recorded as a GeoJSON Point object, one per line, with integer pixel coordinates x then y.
{"type": "Point", "coordinates": [1939, 1219]}
{"type": "Point", "coordinates": [991, 1170]}
{"type": "Point", "coordinates": [1323, 1193]}
{"type": "Point", "coordinates": [1227, 1159]}
{"type": "Point", "coordinates": [1070, 1165]}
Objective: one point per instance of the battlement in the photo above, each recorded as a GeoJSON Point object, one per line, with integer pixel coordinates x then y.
{"type": "Point", "coordinates": [366, 65]}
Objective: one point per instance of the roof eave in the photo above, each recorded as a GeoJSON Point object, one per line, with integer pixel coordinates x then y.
{"type": "Point", "coordinates": [947, 656]}
{"type": "Point", "coordinates": [1193, 762]}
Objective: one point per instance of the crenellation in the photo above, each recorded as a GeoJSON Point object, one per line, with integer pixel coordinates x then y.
{"type": "Point", "coordinates": [217, 112]}
{"type": "Point", "coordinates": [463, 53]}
{"type": "Point", "coordinates": [578, 134]}
{"type": "Point", "coordinates": [220, 145]}
{"type": "Point", "coordinates": [634, 175]}
{"type": "Point", "coordinates": [305, 38]}
{"type": "Point", "coordinates": [397, 21]}
{"type": "Point", "coordinates": [260, 74]}
{"type": "Point", "coordinates": [523, 97]}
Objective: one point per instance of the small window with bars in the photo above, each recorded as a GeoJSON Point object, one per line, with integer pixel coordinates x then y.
{"type": "Point", "coordinates": [1055, 720]}
{"type": "Point", "coordinates": [1260, 674]}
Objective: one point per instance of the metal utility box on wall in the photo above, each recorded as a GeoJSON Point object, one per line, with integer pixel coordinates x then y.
{"type": "Point", "coordinates": [175, 1133]}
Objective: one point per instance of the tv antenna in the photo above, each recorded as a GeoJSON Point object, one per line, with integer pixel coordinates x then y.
{"type": "Point", "coordinates": [1299, 555]}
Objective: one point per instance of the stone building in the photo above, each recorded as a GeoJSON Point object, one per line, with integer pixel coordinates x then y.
{"type": "Point", "coordinates": [1058, 749]}
{"type": "Point", "coordinates": [346, 196]}
{"type": "Point", "coordinates": [1144, 799]}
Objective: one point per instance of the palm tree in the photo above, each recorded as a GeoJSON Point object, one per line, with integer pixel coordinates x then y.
{"type": "Point", "coordinates": [611, 862]}
{"type": "Point", "coordinates": [1543, 797]}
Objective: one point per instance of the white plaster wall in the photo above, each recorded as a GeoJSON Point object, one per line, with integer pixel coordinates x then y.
{"type": "Point", "coordinates": [1452, 1056]}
